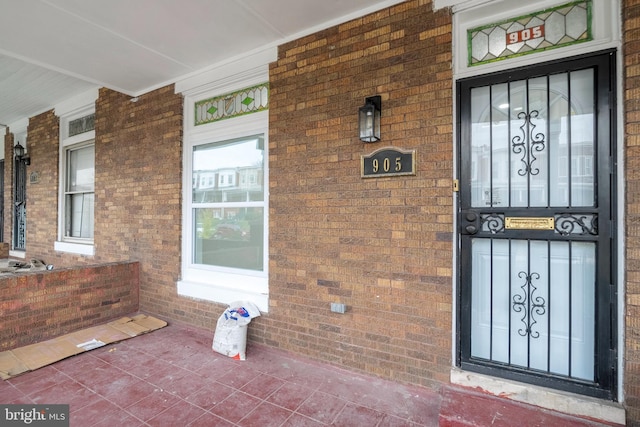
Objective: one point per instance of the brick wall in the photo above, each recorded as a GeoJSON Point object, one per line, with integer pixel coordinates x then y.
{"type": "Point", "coordinates": [382, 246]}
{"type": "Point", "coordinates": [41, 305]}
{"type": "Point", "coordinates": [42, 194]}
{"type": "Point", "coordinates": [631, 100]}
{"type": "Point", "coordinates": [139, 197]}
{"type": "Point", "coordinates": [43, 142]}
{"type": "Point", "coordinates": [138, 191]}
{"type": "Point", "coordinates": [8, 186]}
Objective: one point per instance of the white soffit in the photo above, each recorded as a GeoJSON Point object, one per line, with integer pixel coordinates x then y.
{"type": "Point", "coordinates": [458, 4]}
{"type": "Point", "coordinates": [51, 50]}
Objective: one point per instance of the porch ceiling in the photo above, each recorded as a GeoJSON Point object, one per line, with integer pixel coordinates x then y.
{"type": "Point", "coordinates": [51, 50]}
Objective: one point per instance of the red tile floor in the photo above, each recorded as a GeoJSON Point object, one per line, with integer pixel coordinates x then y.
{"type": "Point", "coordinates": [171, 377]}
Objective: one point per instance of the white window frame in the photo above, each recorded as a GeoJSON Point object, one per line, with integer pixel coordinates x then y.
{"type": "Point", "coordinates": [67, 153]}
{"type": "Point", "coordinates": [223, 285]}
{"type": "Point", "coordinates": [75, 108]}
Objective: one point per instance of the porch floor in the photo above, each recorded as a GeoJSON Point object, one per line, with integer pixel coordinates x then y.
{"type": "Point", "coordinates": [171, 377]}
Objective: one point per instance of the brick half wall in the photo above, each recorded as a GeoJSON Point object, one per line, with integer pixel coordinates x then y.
{"type": "Point", "coordinates": [41, 305]}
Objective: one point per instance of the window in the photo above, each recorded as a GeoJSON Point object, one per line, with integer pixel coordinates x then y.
{"type": "Point", "coordinates": [232, 218]}
{"type": "Point", "coordinates": [79, 196]}
{"type": "Point", "coordinates": [77, 174]}
{"type": "Point", "coordinates": [225, 224]}
{"type": "Point", "coordinates": [225, 227]}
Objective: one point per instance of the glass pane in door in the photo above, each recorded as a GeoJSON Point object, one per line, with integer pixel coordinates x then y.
{"type": "Point", "coordinates": [533, 305]}
{"type": "Point", "coordinates": [533, 142]}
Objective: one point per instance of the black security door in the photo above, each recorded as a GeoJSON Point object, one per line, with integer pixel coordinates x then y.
{"type": "Point", "coordinates": [536, 212]}
{"type": "Point", "coordinates": [20, 204]}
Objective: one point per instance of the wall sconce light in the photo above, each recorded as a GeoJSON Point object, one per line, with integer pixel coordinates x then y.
{"type": "Point", "coordinates": [369, 119]}
{"type": "Point", "coordinates": [18, 151]}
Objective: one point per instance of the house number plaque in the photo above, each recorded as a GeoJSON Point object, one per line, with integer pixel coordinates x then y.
{"type": "Point", "coordinates": [388, 162]}
{"type": "Point", "coordinates": [34, 177]}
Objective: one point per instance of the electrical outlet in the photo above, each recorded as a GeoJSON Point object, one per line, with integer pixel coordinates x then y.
{"type": "Point", "coordinates": [337, 307]}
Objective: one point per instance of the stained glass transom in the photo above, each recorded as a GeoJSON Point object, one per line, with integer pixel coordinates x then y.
{"type": "Point", "coordinates": [82, 125]}
{"type": "Point", "coordinates": [244, 101]}
{"type": "Point", "coordinates": [548, 29]}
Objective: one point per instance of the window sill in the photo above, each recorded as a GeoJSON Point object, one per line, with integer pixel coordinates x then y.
{"type": "Point", "coordinates": [568, 403]}
{"type": "Point", "coordinates": [17, 254]}
{"type": "Point", "coordinates": [222, 294]}
{"type": "Point", "coordinates": [74, 248]}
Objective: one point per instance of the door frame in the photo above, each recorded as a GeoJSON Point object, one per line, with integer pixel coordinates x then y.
{"type": "Point", "coordinates": [607, 105]}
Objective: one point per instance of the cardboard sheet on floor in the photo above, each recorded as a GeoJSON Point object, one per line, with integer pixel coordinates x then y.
{"type": "Point", "coordinates": [34, 356]}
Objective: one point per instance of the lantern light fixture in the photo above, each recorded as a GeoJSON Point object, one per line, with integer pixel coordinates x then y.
{"type": "Point", "coordinates": [369, 119]}
{"type": "Point", "coordinates": [19, 152]}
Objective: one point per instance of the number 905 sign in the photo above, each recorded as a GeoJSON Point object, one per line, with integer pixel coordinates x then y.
{"type": "Point", "coordinates": [525, 34]}
{"type": "Point", "coordinates": [388, 162]}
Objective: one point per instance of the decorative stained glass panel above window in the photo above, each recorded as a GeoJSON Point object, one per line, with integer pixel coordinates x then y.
{"type": "Point", "coordinates": [82, 125]}
{"type": "Point", "coordinates": [548, 29]}
{"type": "Point", "coordinates": [244, 101]}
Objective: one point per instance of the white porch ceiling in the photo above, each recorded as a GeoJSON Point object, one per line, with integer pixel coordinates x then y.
{"type": "Point", "coordinates": [52, 50]}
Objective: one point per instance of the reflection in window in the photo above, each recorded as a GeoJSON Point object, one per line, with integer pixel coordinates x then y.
{"type": "Point", "coordinates": [533, 142]}
{"type": "Point", "coordinates": [79, 196]}
{"type": "Point", "coordinates": [228, 212]}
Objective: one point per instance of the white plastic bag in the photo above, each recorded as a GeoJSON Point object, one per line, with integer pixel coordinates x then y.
{"type": "Point", "coordinates": [230, 337]}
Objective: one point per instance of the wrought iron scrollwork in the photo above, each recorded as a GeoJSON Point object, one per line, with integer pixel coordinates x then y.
{"type": "Point", "coordinates": [528, 143]}
{"type": "Point", "coordinates": [529, 305]}
{"type": "Point", "coordinates": [493, 223]}
{"type": "Point", "coordinates": [567, 224]}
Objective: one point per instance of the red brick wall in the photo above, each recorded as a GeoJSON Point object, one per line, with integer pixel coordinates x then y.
{"type": "Point", "coordinates": [631, 100]}
{"type": "Point", "coordinates": [138, 192]}
{"type": "Point", "coordinates": [43, 142]}
{"type": "Point", "coordinates": [138, 195]}
{"type": "Point", "coordinates": [41, 305]}
{"type": "Point", "coordinates": [8, 186]}
{"type": "Point", "coordinates": [382, 246]}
